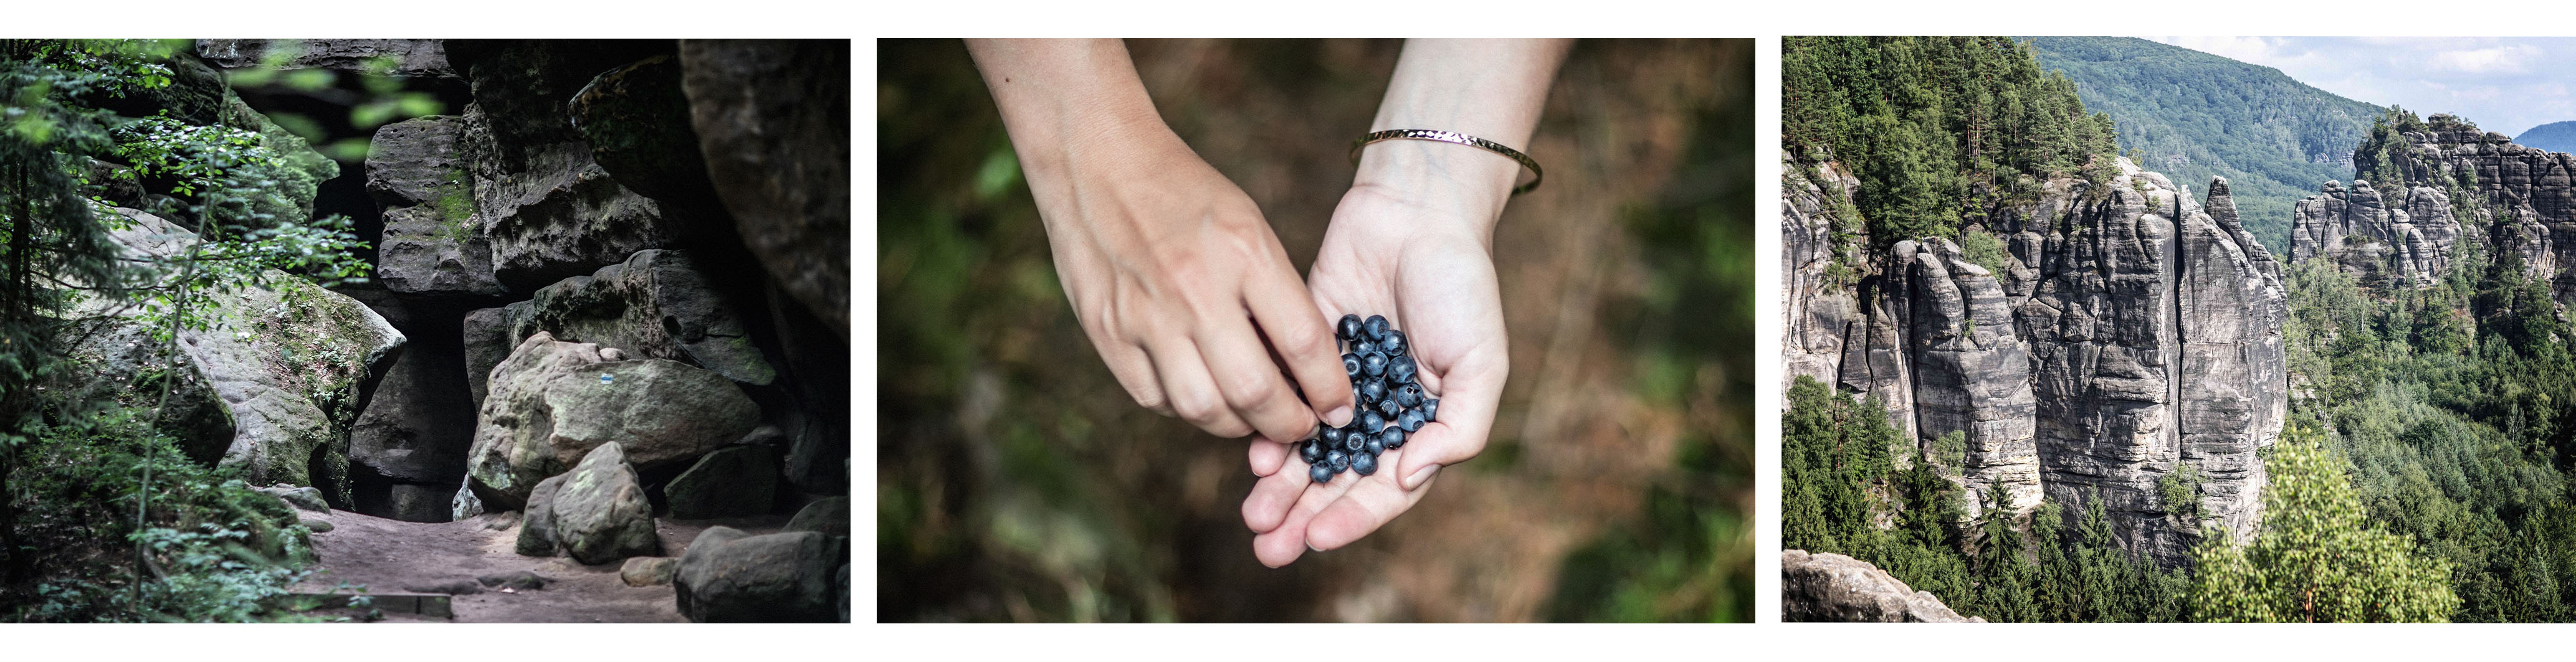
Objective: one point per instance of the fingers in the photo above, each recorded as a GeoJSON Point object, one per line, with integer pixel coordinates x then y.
{"type": "Point", "coordinates": [1135, 371]}
{"type": "Point", "coordinates": [1192, 394]}
{"type": "Point", "coordinates": [1368, 505]}
{"type": "Point", "coordinates": [1469, 393]}
{"type": "Point", "coordinates": [1268, 456]}
{"type": "Point", "coordinates": [1266, 508]}
{"type": "Point", "coordinates": [1303, 339]}
{"type": "Point", "coordinates": [1251, 385]}
{"type": "Point", "coordinates": [1284, 543]}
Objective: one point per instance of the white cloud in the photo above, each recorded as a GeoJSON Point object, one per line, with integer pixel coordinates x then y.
{"type": "Point", "coordinates": [2513, 59]}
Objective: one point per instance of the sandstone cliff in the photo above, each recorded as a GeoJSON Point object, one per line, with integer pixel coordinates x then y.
{"type": "Point", "coordinates": [2524, 202]}
{"type": "Point", "coordinates": [2130, 331]}
{"type": "Point", "coordinates": [1840, 589]}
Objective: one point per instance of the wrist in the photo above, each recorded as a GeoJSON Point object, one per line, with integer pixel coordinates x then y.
{"type": "Point", "coordinates": [1456, 183]}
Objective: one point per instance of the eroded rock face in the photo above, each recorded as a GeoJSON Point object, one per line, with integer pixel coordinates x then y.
{"type": "Point", "coordinates": [2408, 238]}
{"type": "Point", "coordinates": [772, 119]}
{"type": "Point", "coordinates": [1836, 588]}
{"type": "Point", "coordinates": [2525, 204]}
{"type": "Point", "coordinates": [734, 481]}
{"type": "Point", "coordinates": [728, 576]}
{"type": "Point", "coordinates": [433, 242]}
{"type": "Point", "coordinates": [549, 210]}
{"type": "Point", "coordinates": [286, 368]}
{"type": "Point", "coordinates": [2128, 332]}
{"type": "Point", "coordinates": [552, 402]}
{"type": "Point", "coordinates": [656, 303]}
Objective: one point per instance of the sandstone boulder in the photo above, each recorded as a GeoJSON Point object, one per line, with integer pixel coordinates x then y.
{"type": "Point", "coordinates": [537, 524]}
{"type": "Point", "coordinates": [644, 571]}
{"type": "Point", "coordinates": [600, 513]}
{"type": "Point", "coordinates": [1836, 588]}
{"type": "Point", "coordinates": [728, 576]}
{"type": "Point", "coordinates": [552, 402]}
{"type": "Point", "coordinates": [657, 302]}
{"type": "Point", "coordinates": [433, 240]}
{"type": "Point", "coordinates": [408, 57]}
{"type": "Point", "coordinates": [829, 517]}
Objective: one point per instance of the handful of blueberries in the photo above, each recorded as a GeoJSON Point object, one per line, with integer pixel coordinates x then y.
{"type": "Point", "coordinates": [1391, 403]}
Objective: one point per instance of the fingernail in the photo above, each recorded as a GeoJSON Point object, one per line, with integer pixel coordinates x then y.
{"type": "Point", "coordinates": [1420, 476]}
{"type": "Point", "coordinates": [1339, 417]}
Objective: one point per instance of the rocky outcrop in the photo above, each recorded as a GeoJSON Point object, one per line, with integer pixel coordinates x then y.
{"type": "Point", "coordinates": [552, 402]}
{"type": "Point", "coordinates": [286, 367]}
{"type": "Point", "coordinates": [548, 209]}
{"type": "Point", "coordinates": [397, 57]}
{"type": "Point", "coordinates": [2525, 204]}
{"type": "Point", "coordinates": [432, 243]}
{"type": "Point", "coordinates": [2407, 240]}
{"type": "Point", "coordinates": [1836, 588]}
{"type": "Point", "coordinates": [773, 119]}
{"type": "Point", "coordinates": [728, 576]}
{"type": "Point", "coordinates": [2116, 336]}
{"type": "Point", "coordinates": [656, 303]}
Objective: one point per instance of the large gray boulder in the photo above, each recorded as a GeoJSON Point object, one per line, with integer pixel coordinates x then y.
{"type": "Point", "coordinates": [552, 402]}
{"type": "Point", "coordinates": [736, 481]}
{"type": "Point", "coordinates": [636, 119]}
{"type": "Point", "coordinates": [1836, 588]}
{"type": "Point", "coordinates": [829, 517]}
{"type": "Point", "coordinates": [657, 303]}
{"type": "Point", "coordinates": [285, 364]}
{"type": "Point", "coordinates": [773, 121]}
{"type": "Point", "coordinates": [728, 576]}
{"type": "Point", "coordinates": [600, 513]}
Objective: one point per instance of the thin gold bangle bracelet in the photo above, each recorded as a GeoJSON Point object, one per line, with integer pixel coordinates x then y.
{"type": "Point", "coordinates": [1454, 137]}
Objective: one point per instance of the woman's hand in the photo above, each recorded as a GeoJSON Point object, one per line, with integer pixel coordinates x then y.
{"type": "Point", "coordinates": [1177, 279]}
{"type": "Point", "coordinates": [1422, 258]}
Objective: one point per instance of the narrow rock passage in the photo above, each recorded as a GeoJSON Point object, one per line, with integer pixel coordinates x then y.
{"type": "Point", "coordinates": [391, 555]}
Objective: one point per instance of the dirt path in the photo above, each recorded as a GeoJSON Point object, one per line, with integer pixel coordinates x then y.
{"type": "Point", "coordinates": [392, 555]}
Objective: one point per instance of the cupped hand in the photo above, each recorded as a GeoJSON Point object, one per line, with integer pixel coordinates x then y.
{"type": "Point", "coordinates": [1423, 260]}
{"type": "Point", "coordinates": [1186, 292]}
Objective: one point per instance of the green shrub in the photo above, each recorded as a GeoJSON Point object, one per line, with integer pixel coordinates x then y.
{"type": "Point", "coordinates": [209, 548]}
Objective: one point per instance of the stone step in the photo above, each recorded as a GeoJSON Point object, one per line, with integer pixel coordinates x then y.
{"type": "Point", "coordinates": [434, 605]}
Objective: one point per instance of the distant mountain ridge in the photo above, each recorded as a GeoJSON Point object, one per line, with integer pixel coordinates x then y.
{"type": "Point", "coordinates": [2194, 116]}
{"type": "Point", "coordinates": [2554, 136]}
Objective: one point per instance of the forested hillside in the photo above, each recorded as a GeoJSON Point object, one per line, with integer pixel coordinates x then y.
{"type": "Point", "coordinates": [1937, 129]}
{"type": "Point", "coordinates": [2193, 116]}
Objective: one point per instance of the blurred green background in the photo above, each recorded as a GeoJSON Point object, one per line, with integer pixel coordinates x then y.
{"type": "Point", "coordinates": [1017, 482]}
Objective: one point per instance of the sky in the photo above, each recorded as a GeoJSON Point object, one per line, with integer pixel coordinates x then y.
{"type": "Point", "coordinates": [2505, 85]}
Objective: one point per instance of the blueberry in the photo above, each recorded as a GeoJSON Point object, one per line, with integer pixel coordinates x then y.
{"type": "Point", "coordinates": [1349, 328]}
{"type": "Point", "coordinates": [1313, 451]}
{"type": "Point", "coordinates": [1372, 391]}
{"type": "Point", "coordinates": [1376, 445]}
{"type": "Point", "coordinates": [1364, 465]}
{"type": "Point", "coordinates": [1364, 348]}
{"type": "Point", "coordinates": [1353, 443]}
{"type": "Point", "coordinates": [1375, 328]}
{"type": "Point", "coordinates": [1409, 421]}
{"type": "Point", "coordinates": [1339, 460]}
{"type": "Point", "coordinates": [1351, 364]}
{"type": "Point", "coordinates": [1430, 410]}
{"type": "Point", "coordinates": [1392, 438]}
{"type": "Point", "coordinates": [1370, 421]}
{"type": "Point", "coordinates": [1330, 435]}
{"type": "Point", "coordinates": [1393, 345]}
{"type": "Point", "coordinates": [1408, 396]}
{"type": "Point", "coordinates": [1320, 473]}
{"type": "Point", "coordinates": [1401, 369]}
{"type": "Point", "coordinates": [1389, 408]}
{"type": "Point", "coordinates": [1373, 364]}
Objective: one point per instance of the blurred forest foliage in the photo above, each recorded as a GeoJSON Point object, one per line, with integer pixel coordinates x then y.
{"type": "Point", "coordinates": [1017, 481]}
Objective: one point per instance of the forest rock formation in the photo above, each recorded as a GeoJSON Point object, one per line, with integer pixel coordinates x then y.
{"type": "Point", "coordinates": [2124, 333]}
{"type": "Point", "coordinates": [2524, 198]}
